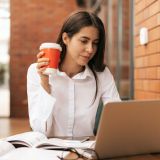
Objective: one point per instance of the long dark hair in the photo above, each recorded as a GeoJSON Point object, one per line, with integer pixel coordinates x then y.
{"type": "Point", "coordinates": [73, 24]}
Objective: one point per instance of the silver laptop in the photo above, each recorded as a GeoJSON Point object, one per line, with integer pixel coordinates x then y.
{"type": "Point", "coordinates": [129, 128]}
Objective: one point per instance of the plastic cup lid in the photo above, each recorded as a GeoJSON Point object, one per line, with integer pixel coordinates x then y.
{"type": "Point", "coordinates": [50, 45]}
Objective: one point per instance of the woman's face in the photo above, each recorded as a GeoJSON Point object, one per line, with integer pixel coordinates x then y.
{"type": "Point", "coordinates": [82, 46]}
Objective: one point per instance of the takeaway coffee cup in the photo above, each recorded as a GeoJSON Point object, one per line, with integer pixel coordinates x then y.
{"type": "Point", "coordinates": [52, 51]}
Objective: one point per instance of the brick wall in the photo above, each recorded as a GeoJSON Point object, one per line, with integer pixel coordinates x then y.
{"type": "Point", "coordinates": [32, 22]}
{"type": "Point", "coordinates": [147, 57]}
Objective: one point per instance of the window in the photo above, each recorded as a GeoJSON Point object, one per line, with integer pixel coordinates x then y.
{"type": "Point", "coordinates": [4, 58]}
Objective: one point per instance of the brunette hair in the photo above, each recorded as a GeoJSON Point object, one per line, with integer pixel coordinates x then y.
{"type": "Point", "coordinates": [73, 24]}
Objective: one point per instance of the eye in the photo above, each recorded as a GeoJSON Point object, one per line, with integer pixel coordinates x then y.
{"type": "Point", "coordinates": [83, 41]}
{"type": "Point", "coordinates": [95, 43]}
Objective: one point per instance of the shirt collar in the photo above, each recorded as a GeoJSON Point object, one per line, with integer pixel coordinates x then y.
{"type": "Point", "coordinates": [82, 75]}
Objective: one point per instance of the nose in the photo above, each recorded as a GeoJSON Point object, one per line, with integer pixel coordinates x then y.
{"type": "Point", "coordinates": [90, 48]}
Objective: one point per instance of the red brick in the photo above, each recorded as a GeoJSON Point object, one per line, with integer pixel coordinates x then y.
{"type": "Point", "coordinates": [32, 22]}
{"type": "Point", "coordinates": [147, 57]}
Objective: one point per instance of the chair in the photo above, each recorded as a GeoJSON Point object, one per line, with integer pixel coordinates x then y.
{"type": "Point", "coordinates": [97, 119]}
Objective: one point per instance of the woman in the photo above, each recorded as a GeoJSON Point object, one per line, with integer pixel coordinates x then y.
{"type": "Point", "coordinates": [66, 104]}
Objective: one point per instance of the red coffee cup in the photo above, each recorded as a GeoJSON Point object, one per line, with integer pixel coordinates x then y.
{"type": "Point", "coordinates": [52, 51]}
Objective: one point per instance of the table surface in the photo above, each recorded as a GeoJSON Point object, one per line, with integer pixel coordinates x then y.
{"type": "Point", "coordinates": [137, 157]}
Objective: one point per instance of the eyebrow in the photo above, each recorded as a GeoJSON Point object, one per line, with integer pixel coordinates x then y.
{"type": "Point", "coordinates": [89, 38]}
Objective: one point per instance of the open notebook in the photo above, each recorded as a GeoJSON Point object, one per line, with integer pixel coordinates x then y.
{"type": "Point", "coordinates": [38, 140]}
{"type": "Point", "coordinates": [23, 153]}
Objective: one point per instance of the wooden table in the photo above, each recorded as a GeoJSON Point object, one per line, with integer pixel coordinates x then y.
{"type": "Point", "coordinates": [137, 157]}
{"type": "Point", "coordinates": [140, 157]}
{"type": "Point", "coordinates": [11, 126]}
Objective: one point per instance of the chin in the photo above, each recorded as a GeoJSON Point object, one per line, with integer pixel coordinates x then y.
{"type": "Point", "coordinates": [83, 63]}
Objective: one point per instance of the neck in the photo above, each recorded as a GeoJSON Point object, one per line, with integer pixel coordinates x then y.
{"type": "Point", "coordinates": [71, 70]}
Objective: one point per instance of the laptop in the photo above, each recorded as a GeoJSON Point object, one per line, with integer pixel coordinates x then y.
{"type": "Point", "coordinates": [129, 128]}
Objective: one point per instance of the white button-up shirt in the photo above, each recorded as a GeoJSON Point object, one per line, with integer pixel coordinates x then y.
{"type": "Point", "coordinates": [71, 107]}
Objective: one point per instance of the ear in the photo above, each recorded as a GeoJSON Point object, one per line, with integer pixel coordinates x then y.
{"type": "Point", "coordinates": [65, 38]}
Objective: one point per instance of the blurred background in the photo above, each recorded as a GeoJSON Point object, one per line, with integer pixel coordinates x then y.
{"type": "Point", "coordinates": [132, 47]}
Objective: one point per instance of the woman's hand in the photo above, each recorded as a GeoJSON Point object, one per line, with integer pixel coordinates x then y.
{"type": "Point", "coordinates": [41, 66]}
{"type": "Point", "coordinates": [41, 63]}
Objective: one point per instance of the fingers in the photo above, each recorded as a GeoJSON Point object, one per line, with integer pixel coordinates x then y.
{"type": "Point", "coordinates": [40, 54]}
{"type": "Point", "coordinates": [40, 57]}
{"type": "Point", "coordinates": [41, 63]}
{"type": "Point", "coordinates": [44, 78]}
{"type": "Point", "coordinates": [43, 60]}
{"type": "Point", "coordinates": [41, 70]}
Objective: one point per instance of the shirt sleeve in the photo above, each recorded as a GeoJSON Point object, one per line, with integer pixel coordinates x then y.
{"type": "Point", "coordinates": [108, 87]}
{"type": "Point", "coordinates": [40, 103]}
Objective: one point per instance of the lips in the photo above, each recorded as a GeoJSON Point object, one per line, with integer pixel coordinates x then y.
{"type": "Point", "coordinates": [85, 57]}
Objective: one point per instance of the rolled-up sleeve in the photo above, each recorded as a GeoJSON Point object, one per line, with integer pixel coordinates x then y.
{"type": "Point", "coordinates": [40, 103]}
